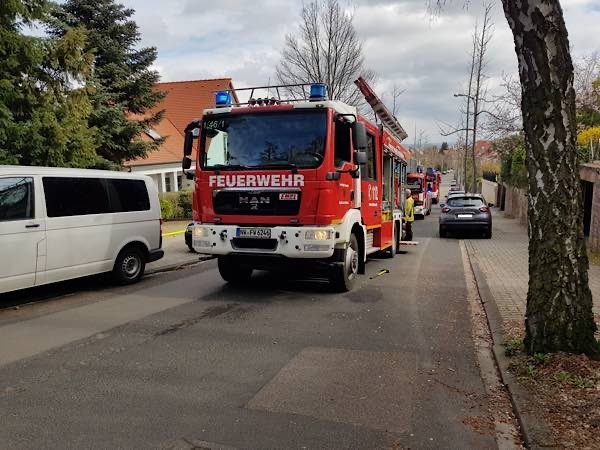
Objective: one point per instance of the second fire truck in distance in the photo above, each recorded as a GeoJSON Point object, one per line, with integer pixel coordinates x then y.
{"type": "Point", "coordinates": [417, 183]}
{"type": "Point", "coordinates": [303, 183]}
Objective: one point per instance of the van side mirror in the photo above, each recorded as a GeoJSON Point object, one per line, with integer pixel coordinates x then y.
{"type": "Point", "coordinates": [360, 158]}
{"type": "Point", "coordinates": [359, 136]}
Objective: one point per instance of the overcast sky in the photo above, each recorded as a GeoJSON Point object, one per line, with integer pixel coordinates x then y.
{"type": "Point", "coordinates": [403, 44]}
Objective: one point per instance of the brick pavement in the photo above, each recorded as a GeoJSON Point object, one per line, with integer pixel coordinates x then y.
{"type": "Point", "coordinates": [503, 262]}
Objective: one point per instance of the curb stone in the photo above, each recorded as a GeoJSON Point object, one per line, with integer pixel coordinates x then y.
{"type": "Point", "coordinates": [181, 265]}
{"type": "Point", "coordinates": [536, 433]}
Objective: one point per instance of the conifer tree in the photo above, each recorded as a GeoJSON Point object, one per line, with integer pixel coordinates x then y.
{"type": "Point", "coordinates": [43, 98]}
{"type": "Point", "coordinates": [123, 98]}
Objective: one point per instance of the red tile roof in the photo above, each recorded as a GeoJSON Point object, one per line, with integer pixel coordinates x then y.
{"type": "Point", "coordinates": [184, 101]}
{"type": "Point", "coordinates": [171, 149]}
{"type": "Point", "coordinates": [485, 149]}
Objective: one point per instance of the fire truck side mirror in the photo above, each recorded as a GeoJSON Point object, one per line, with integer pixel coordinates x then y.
{"type": "Point", "coordinates": [359, 136]}
{"type": "Point", "coordinates": [360, 158]}
{"type": "Point", "coordinates": [188, 143]}
{"type": "Point", "coordinates": [186, 163]}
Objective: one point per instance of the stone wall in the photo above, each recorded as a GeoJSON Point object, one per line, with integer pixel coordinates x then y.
{"type": "Point", "coordinates": [489, 190]}
{"type": "Point", "coordinates": [594, 238]}
{"type": "Point", "coordinates": [515, 204]}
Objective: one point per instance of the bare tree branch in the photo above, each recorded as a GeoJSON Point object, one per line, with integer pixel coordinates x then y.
{"type": "Point", "coordinates": [325, 49]}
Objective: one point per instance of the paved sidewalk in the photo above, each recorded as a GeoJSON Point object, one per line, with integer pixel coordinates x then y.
{"type": "Point", "coordinates": [503, 260]}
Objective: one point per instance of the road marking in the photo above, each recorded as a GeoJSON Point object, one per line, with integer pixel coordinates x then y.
{"type": "Point", "coordinates": [173, 233]}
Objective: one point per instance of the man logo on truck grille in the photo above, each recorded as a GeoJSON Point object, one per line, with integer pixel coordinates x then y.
{"type": "Point", "coordinates": [242, 180]}
{"type": "Point", "coordinates": [254, 201]}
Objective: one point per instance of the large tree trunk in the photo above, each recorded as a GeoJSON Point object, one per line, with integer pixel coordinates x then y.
{"type": "Point", "coordinates": [559, 302]}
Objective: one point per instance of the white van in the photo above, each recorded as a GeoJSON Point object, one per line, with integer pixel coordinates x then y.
{"type": "Point", "coordinates": [57, 224]}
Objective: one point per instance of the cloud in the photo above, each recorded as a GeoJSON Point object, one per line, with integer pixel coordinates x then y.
{"type": "Point", "coordinates": [404, 43]}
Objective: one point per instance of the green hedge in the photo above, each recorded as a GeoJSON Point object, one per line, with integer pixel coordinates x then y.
{"type": "Point", "coordinates": [513, 169]}
{"type": "Point", "coordinates": [176, 205]}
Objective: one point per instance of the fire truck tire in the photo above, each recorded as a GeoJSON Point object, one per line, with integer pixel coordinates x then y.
{"type": "Point", "coordinates": [344, 274]}
{"type": "Point", "coordinates": [232, 271]}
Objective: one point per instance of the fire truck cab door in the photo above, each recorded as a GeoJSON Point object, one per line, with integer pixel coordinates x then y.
{"type": "Point", "coordinates": [370, 184]}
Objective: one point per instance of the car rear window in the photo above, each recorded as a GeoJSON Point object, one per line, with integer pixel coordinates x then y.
{"type": "Point", "coordinates": [465, 202]}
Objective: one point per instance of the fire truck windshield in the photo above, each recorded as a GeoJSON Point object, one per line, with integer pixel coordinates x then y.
{"type": "Point", "coordinates": [414, 185]}
{"type": "Point", "coordinates": [264, 140]}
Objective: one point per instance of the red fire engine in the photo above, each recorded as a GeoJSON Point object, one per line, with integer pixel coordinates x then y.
{"type": "Point", "coordinates": [302, 181]}
{"type": "Point", "coordinates": [417, 183]}
{"type": "Point", "coordinates": [434, 179]}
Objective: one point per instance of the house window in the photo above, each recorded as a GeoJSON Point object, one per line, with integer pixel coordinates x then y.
{"type": "Point", "coordinates": [168, 183]}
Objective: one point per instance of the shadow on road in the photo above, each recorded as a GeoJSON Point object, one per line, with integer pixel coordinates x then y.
{"type": "Point", "coordinates": [94, 283]}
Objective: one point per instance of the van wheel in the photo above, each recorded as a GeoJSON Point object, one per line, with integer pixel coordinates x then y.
{"type": "Point", "coordinates": [129, 266]}
{"type": "Point", "coordinates": [232, 271]}
{"type": "Point", "coordinates": [344, 274]}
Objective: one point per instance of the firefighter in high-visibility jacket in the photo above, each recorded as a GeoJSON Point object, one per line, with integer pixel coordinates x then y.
{"type": "Point", "coordinates": [409, 214]}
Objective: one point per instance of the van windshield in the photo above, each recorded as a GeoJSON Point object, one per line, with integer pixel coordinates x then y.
{"type": "Point", "coordinates": [264, 140]}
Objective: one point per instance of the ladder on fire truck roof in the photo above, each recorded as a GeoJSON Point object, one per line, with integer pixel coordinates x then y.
{"type": "Point", "coordinates": [385, 115]}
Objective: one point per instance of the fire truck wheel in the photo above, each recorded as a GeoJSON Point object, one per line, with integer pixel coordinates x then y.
{"type": "Point", "coordinates": [232, 271]}
{"type": "Point", "coordinates": [344, 275]}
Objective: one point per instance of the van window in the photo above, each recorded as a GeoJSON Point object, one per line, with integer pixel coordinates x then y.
{"type": "Point", "coordinates": [75, 196]}
{"type": "Point", "coordinates": [85, 196]}
{"type": "Point", "coordinates": [16, 199]}
{"type": "Point", "coordinates": [128, 195]}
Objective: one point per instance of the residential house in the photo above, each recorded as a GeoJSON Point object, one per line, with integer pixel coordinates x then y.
{"type": "Point", "coordinates": [184, 101]}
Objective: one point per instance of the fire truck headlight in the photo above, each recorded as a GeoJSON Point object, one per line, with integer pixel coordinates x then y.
{"type": "Point", "coordinates": [200, 232]}
{"type": "Point", "coordinates": [317, 235]}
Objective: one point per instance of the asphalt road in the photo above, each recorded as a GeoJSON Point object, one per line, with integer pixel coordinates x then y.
{"type": "Point", "coordinates": [183, 360]}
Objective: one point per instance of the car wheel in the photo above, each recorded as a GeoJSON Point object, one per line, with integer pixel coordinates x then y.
{"type": "Point", "coordinates": [129, 266]}
{"type": "Point", "coordinates": [488, 234]}
{"type": "Point", "coordinates": [442, 233]}
{"type": "Point", "coordinates": [232, 271]}
{"type": "Point", "coordinates": [344, 274]}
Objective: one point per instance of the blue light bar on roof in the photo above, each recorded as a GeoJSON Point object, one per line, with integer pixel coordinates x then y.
{"type": "Point", "coordinates": [222, 98]}
{"type": "Point", "coordinates": [318, 92]}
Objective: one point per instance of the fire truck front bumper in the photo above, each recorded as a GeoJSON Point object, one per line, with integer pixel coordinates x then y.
{"type": "Point", "coordinates": [291, 242]}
